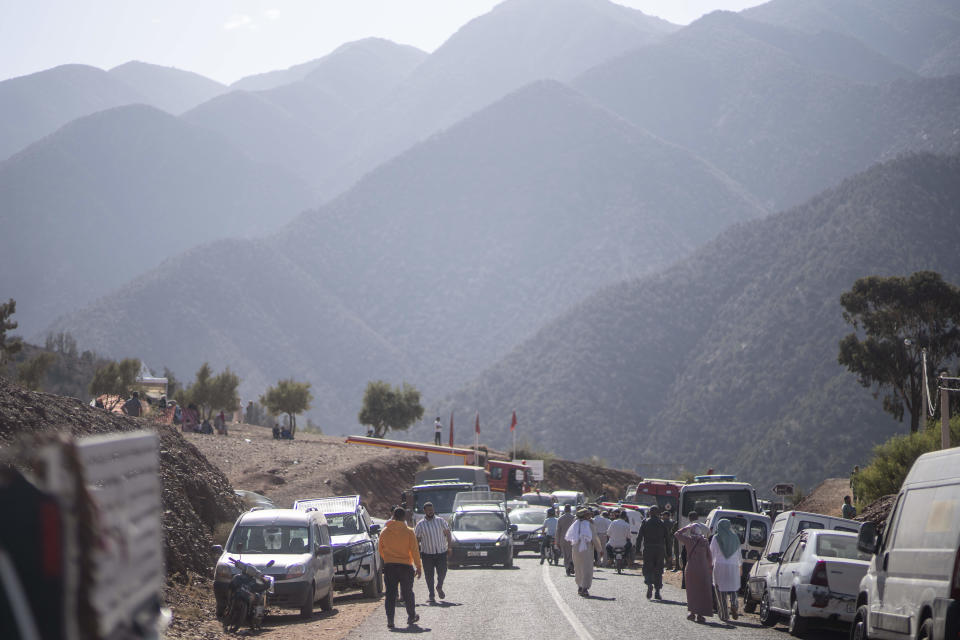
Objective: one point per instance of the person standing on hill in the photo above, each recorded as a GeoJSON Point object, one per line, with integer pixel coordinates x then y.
{"type": "Point", "coordinates": [563, 523]}
{"type": "Point", "coordinates": [654, 536]}
{"type": "Point", "coordinates": [133, 407]}
{"type": "Point", "coordinates": [398, 548]}
{"type": "Point", "coordinates": [848, 511]}
{"type": "Point", "coordinates": [436, 544]}
{"type": "Point", "coordinates": [437, 431]}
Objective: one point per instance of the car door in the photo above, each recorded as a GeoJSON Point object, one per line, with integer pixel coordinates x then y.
{"type": "Point", "coordinates": [781, 579]}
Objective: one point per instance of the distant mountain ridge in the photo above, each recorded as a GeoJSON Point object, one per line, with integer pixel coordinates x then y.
{"type": "Point", "coordinates": [728, 360]}
{"type": "Point", "coordinates": [443, 257]}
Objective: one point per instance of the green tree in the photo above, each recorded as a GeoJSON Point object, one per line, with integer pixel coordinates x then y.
{"type": "Point", "coordinates": [173, 385]}
{"type": "Point", "coordinates": [386, 407]}
{"type": "Point", "coordinates": [115, 379]}
{"type": "Point", "coordinates": [892, 460]}
{"type": "Point", "coordinates": [63, 343]}
{"type": "Point", "coordinates": [289, 397]}
{"type": "Point", "coordinates": [8, 346]}
{"type": "Point", "coordinates": [30, 374]}
{"type": "Point", "coordinates": [898, 317]}
{"type": "Point", "coordinates": [211, 393]}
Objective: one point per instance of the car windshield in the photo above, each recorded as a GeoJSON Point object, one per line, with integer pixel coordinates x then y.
{"type": "Point", "coordinates": [479, 521]}
{"type": "Point", "coordinates": [840, 547]}
{"type": "Point", "coordinates": [343, 524]}
{"type": "Point", "coordinates": [442, 499]}
{"type": "Point", "coordinates": [705, 501]}
{"type": "Point", "coordinates": [570, 499]}
{"type": "Point", "coordinates": [270, 539]}
{"type": "Point", "coordinates": [528, 516]}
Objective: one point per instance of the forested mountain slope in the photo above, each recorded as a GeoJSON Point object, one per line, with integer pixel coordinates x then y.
{"type": "Point", "coordinates": [729, 358]}
{"type": "Point", "coordinates": [449, 255]}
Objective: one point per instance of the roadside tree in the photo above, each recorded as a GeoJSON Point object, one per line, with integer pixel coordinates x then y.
{"type": "Point", "coordinates": [898, 317]}
{"type": "Point", "coordinates": [211, 392]}
{"type": "Point", "coordinates": [11, 346]}
{"type": "Point", "coordinates": [289, 397]}
{"type": "Point", "coordinates": [116, 379]}
{"type": "Point", "coordinates": [386, 407]}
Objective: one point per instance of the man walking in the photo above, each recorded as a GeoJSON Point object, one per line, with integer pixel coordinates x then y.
{"type": "Point", "coordinates": [671, 560]}
{"type": "Point", "coordinates": [398, 548]}
{"type": "Point", "coordinates": [600, 523]}
{"type": "Point", "coordinates": [654, 537]}
{"type": "Point", "coordinates": [563, 523]}
{"type": "Point", "coordinates": [436, 544]}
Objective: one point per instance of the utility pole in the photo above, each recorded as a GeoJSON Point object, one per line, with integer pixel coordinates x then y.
{"type": "Point", "coordinates": [944, 413]}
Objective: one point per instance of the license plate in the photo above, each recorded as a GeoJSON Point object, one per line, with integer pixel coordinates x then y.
{"type": "Point", "coordinates": [476, 554]}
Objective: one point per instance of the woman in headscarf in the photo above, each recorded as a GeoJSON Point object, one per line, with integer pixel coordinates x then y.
{"type": "Point", "coordinates": [725, 549]}
{"type": "Point", "coordinates": [697, 570]}
{"type": "Point", "coordinates": [584, 541]}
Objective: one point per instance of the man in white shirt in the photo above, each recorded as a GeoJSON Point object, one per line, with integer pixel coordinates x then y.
{"type": "Point", "coordinates": [437, 431]}
{"type": "Point", "coordinates": [618, 535]}
{"type": "Point", "coordinates": [436, 543]}
{"type": "Point", "coordinates": [600, 523]}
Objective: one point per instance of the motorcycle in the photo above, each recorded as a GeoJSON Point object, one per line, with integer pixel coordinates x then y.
{"type": "Point", "coordinates": [619, 558]}
{"type": "Point", "coordinates": [247, 597]}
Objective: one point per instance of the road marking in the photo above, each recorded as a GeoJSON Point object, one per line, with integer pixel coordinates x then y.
{"type": "Point", "coordinates": [580, 630]}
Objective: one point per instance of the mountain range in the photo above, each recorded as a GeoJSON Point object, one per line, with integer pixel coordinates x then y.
{"type": "Point", "coordinates": [728, 359]}
{"type": "Point", "coordinates": [469, 204]}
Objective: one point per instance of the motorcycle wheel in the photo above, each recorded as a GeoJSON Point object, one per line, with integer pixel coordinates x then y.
{"type": "Point", "coordinates": [236, 612]}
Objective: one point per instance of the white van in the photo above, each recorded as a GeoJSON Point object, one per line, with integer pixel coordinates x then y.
{"type": "Point", "coordinates": [707, 493]}
{"type": "Point", "coordinates": [298, 542]}
{"type": "Point", "coordinates": [753, 529]}
{"type": "Point", "coordinates": [912, 588]}
{"type": "Point", "coordinates": [785, 528]}
{"type": "Point", "coordinates": [575, 499]}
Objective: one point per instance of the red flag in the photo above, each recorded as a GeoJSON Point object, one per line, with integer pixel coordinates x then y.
{"type": "Point", "coordinates": [513, 424]}
{"type": "Point", "coordinates": [451, 428]}
{"type": "Point", "coordinates": [477, 426]}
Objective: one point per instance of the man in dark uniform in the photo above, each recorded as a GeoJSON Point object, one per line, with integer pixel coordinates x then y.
{"type": "Point", "coordinates": [654, 536]}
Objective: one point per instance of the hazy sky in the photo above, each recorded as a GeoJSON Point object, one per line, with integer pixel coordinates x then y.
{"type": "Point", "coordinates": [228, 39]}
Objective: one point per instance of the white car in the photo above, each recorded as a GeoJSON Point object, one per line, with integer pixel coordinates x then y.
{"type": "Point", "coordinates": [816, 579]}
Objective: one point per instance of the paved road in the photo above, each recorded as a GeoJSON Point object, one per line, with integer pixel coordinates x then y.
{"type": "Point", "coordinates": [534, 601]}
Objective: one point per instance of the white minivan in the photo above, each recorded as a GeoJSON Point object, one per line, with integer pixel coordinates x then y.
{"type": "Point", "coordinates": [912, 588]}
{"type": "Point", "coordinates": [753, 529]}
{"type": "Point", "coordinates": [784, 529]}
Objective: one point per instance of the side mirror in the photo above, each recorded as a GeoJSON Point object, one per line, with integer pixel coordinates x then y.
{"type": "Point", "coordinates": [324, 550]}
{"type": "Point", "coordinates": [867, 540]}
{"type": "Point", "coordinates": [374, 529]}
{"type": "Point", "coordinates": [217, 548]}
{"type": "Point", "coordinates": [774, 557]}
{"type": "Point", "coordinates": [513, 528]}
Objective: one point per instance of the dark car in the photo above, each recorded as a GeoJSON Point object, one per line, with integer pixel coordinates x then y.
{"type": "Point", "coordinates": [482, 535]}
{"type": "Point", "coordinates": [529, 533]}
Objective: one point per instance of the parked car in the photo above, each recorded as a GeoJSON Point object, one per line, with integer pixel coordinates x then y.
{"type": "Point", "coordinates": [538, 498]}
{"type": "Point", "coordinates": [784, 529]}
{"type": "Point", "coordinates": [298, 542]}
{"type": "Point", "coordinates": [575, 499]}
{"type": "Point", "coordinates": [815, 580]}
{"type": "Point", "coordinates": [529, 533]}
{"type": "Point", "coordinates": [753, 529]}
{"type": "Point", "coordinates": [482, 534]}
{"type": "Point", "coordinates": [912, 586]}
{"type": "Point", "coordinates": [355, 540]}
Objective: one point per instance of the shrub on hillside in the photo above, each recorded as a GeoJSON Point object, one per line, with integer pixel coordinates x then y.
{"type": "Point", "coordinates": [893, 459]}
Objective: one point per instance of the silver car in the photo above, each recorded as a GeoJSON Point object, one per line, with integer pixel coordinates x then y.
{"type": "Point", "coordinates": [299, 545]}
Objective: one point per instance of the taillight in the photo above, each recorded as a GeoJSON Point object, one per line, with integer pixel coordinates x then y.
{"type": "Point", "coordinates": [819, 576]}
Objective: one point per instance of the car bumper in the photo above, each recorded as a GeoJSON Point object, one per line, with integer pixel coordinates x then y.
{"type": "Point", "coordinates": [528, 543]}
{"type": "Point", "coordinates": [355, 573]}
{"type": "Point", "coordinates": [482, 556]}
{"type": "Point", "coordinates": [820, 602]}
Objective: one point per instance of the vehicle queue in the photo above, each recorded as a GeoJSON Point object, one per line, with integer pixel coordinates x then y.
{"type": "Point", "coordinates": [805, 570]}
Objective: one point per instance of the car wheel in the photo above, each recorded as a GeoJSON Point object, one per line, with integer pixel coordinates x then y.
{"type": "Point", "coordinates": [370, 588]}
{"type": "Point", "coordinates": [508, 563]}
{"type": "Point", "coordinates": [926, 630]}
{"type": "Point", "coordinates": [306, 610]}
{"type": "Point", "coordinates": [326, 603]}
{"type": "Point", "coordinates": [768, 618]}
{"type": "Point", "coordinates": [858, 630]}
{"type": "Point", "coordinates": [798, 624]}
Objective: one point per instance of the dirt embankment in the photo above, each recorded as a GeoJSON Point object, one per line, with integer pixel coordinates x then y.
{"type": "Point", "coordinates": [826, 497]}
{"type": "Point", "coordinates": [196, 496]}
{"type": "Point", "coordinates": [593, 481]}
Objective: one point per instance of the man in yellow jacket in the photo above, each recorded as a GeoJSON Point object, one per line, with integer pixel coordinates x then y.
{"type": "Point", "coordinates": [400, 553]}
